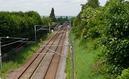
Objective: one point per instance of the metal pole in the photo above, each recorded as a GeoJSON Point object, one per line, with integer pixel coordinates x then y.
{"type": "Point", "coordinates": [12, 43]}
{"type": "Point", "coordinates": [0, 56]}
{"type": "Point", "coordinates": [49, 27]}
{"type": "Point", "coordinates": [35, 33]}
{"type": "Point", "coordinates": [70, 25]}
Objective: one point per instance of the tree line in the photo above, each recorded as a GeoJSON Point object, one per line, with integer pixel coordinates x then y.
{"type": "Point", "coordinates": [18, 24]}
{"type": "Point", "coordinates": [110, 25]}
{"type": "Point", "coordinates": [21, 24]}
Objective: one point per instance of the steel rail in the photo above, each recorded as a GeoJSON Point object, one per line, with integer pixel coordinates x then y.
{"type": "Point", "coordinates": [40, 61]}
{"type": "Point", "coordinates": [47, 75]}
{"type": "Point", "coordinates": [37, 55]}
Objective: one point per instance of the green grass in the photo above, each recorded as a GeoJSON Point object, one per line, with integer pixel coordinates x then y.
{"type": "Point", "coordinates": [86, 55]}
{"type": "Point", "coordinates": [18, 59]}
{"type": "Point", "coordinates": [68, 65]}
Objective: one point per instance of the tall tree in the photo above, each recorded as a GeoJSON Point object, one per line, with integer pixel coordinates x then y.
{"type": "Point", "coordinates": [52, 15]}
{"type": "Point", "coordinates": [93, 3]}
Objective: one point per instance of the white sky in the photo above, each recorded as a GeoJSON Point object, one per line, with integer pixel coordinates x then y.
{"type": "Point", "coordinates": [62, 7]}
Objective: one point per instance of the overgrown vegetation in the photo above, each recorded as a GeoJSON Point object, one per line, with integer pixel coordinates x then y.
{"type": "Point", "coordinates": [110, 25]}
{"type": "Point", "coordinates": [86, 54]}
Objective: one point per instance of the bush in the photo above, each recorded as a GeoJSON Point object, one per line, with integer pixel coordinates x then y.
{"type": "Point", "coordinates": [111, 24]}
{"type": "Point", "coordinates": [87, 22]}
{"type": "Point", "coordinates": [117, 35]}
{"type": "Point", "coordinates": [124, 75]}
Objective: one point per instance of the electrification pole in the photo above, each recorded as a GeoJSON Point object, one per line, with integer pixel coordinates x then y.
{"type": "Point", "coordinates": [0, 56]}
{"type": "Point", "coordinates": [35, 32]}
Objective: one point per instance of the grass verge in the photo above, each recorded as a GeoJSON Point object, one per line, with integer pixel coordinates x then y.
{"type": "Point", "coordinates": [18, 59]}
{"type": "Point", "coordinates": [86, 55]}
{"type": "Point", "coordinates": [68, 65]}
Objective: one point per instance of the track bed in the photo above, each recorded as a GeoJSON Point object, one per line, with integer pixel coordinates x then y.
{"type": "Point", "coordinates": [45, 62]}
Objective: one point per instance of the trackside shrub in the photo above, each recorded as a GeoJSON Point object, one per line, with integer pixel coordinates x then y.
{"type": "Point", "coordinates": [110, 24]}
{"type": "Point", "coordinates": [124, 75]}
{"type": "Point", "coordinates": [117, 35]}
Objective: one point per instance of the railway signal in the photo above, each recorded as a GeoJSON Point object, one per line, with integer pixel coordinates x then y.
{"type": "Point", "coordinates": [0, 56]}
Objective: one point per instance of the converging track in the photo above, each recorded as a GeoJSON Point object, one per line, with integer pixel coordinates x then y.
{"type": "Point", "coordinates": [45, 62]}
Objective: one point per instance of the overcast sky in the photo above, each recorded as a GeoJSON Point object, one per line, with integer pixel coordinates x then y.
{"type": "Point", "coordinates": [62, 7]}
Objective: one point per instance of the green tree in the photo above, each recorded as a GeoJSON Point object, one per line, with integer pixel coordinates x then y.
{"type": "Point", "coordinates": [46, 21]}
{"type": "Point", "coordinates": [116, 35]}
{"type": "Point", "coordinates": [19, 24]}
{"type": "Point", "coordinates": [52, 15]}
{"type": "Point", "coordinates": [93, 3]}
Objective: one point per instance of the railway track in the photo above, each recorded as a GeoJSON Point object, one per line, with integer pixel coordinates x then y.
{"type": "Point", "coordinates": [44, 63]}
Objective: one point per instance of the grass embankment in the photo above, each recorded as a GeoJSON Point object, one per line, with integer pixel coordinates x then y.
{"type": "Point", "coordinates": [20, 58]}
{"type": "Point", "coordinates": [68, 65]}
{"type": "Point", "coordinates": [86, 55]}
